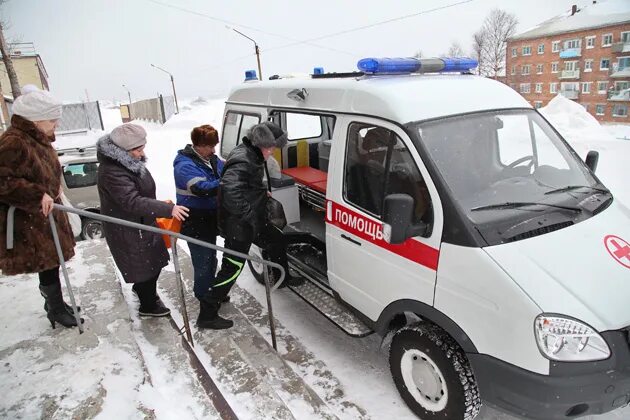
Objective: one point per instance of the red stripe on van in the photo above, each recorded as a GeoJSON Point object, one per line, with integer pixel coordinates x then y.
{"type": "Point", "coordinates": [370, 230]}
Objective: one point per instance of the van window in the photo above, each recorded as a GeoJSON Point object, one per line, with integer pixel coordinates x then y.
{"type": "Point", "coordinates": [235, 127]}
{"type": "Point", "coordinates": [378, 164]}
{"type": "Point", "coordinates": [80, 175]}
{"type": "Point", "coordinates": [303, 126]}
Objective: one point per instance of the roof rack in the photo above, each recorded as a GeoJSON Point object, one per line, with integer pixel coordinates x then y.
{"type": "Point", "coordinates": [76, 150]}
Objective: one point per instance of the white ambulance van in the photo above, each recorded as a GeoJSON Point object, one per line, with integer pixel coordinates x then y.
{"type": "Point", "coordinates": [440, 210]}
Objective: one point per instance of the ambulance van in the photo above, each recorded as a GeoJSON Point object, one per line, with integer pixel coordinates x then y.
{"type": "Point", "coordinates": [440, 210]}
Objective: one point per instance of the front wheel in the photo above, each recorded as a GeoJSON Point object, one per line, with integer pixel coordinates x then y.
{"type": "Point", "coordinates": [91, 229]}
{"type": "Point", "coordinates": [432, 374]}
{"type": "Point", "coordinates": [256, 268]}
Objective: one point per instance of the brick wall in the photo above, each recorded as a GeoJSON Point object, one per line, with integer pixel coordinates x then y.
{"type": "Point", "coordinates": [547, 57]}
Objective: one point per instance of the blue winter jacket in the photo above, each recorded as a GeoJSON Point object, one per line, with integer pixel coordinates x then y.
{"type": "Point", "coordinates": [196, 182]}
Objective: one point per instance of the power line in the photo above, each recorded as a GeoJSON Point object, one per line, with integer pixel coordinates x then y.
{"type": "Point", "coordinates": [360, 28]}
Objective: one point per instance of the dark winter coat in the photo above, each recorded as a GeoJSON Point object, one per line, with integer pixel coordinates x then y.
{"type": "Point", "coordinates": [29, 167]}
{"type": "Point", "coordinates": [243, 194]}
{"type": "Point", "coordinates": [127, 191]}
{"type": "Point", "coordinates": [197, 184]}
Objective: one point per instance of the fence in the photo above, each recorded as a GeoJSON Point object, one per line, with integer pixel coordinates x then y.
{"type": "Point", "coordinates": [158, 109]}
{"type": "Point", "coordinates": [80, 117]}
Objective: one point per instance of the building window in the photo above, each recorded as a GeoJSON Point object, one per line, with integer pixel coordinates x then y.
{"type": "Point", "coordinates": [555, 46]}
{"type": "Point", "coordinates": [604, 64]}
{"type": "Point", "coordinates": [527, 50]}
{"type": "Point", "coordinates": [537, 104]}
{"type": "Point", "coordinates": [554, 67]}
{"type": "Point", "coordinates": [586, 87]}
{"type": "Point", "coordinates": [602, 87]}
{"type": "Point", "coordinates": [514, 53]}
{"type": "Point", "coordinates": [588, 65]}
{"type": "Point", "coordinates": [620, 110]}
{"type": "Point", "coordinates": [573, 43]}
{"type": "Point", "coordinates": [539, 87]}
{"type": "Point", "coordinates": [526, 69]}
{"type": "Point", "coordinates": [623, 63]}
{"type": "Point", "coordinates": [541, 48]}
{"type": "Point", "coordinates": [539, 68]}
{"type": "Point", "coordinates": [525, 87]}
{"type": "Point", "coordinates": [571, 65]}
{"type": "Point", "coordinates": [590, 42]}
{"type": "Point", "coordinates": [625, 37]}
{"type": "Point", "coordinates": [600, 109]}
{"type": "Point", "coordinates": [607, 40]}
{"type": "Point", "coordinates": [513, 72]}
{"type": "Point", "coordinates": [553, 87]}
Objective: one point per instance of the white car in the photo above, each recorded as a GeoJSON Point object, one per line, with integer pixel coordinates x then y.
{"type": "Point", "coordinates": [441, 210]}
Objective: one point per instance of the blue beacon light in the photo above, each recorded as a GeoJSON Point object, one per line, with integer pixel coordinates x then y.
{"type": "Point", "coordinates": [318, 70]}
{"type": "Point", "coordinates": [250, 75]}
{"type": "Point", "coordinates": [414, 65]}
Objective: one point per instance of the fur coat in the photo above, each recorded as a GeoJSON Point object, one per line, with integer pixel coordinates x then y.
{"type": "Point", "coordinates": [29, 167]}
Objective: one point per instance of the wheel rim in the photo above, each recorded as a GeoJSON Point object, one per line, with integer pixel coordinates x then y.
{"type": "Point", "coordinates": [93, 230]}
{"type": "Point", "coordinates": [256, 266]}
{"type": "Point", "coordinates": [424, 380]}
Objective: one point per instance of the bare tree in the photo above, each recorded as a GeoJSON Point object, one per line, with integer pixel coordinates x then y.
{"type": "Point", "coordinates": [498, 26]}
{"type": "Point", "coordinates": [478, 47]}
{"type": "Point", "coordinates": [6, 58]}
{"type": "Point", "coordinates": [418, 54]}
{"type": "Point", "coordinates": [455, 50]}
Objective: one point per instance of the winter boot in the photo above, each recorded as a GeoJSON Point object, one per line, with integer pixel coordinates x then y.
{"type": "Point", "coordinates": [209, 317]}
{"type": "Point", "coordinates": [57, 311]}
{"type": "Point", "coordinates": [157, 309]}
{"type": "Point", "coordinates": [68, 307]}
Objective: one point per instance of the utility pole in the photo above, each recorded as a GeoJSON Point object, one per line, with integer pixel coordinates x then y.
{"type": "Point", "coordinates": [8, 64]}
{"type": "Point", "coordinates": [256, 49]}
{"type": "Point", "coordinates": [129, 94]}
{"type": "Point", "coordinates": [172, 83]}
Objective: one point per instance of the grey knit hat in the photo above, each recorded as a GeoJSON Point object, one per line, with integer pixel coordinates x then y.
{"type": "Point", "coordinates": [37, 105]}
{"type": "Point", "coordinates": [128, 136]}
{"type": "Point", "coordinates": [266, 135]}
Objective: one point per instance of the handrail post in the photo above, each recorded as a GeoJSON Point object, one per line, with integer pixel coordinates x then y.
{"type": "Point", "coordinates": [272, 325]}
{"type": "Point", "coordinates": [53, 227]}
{"type": "Point", "coordinates": [180, 287]}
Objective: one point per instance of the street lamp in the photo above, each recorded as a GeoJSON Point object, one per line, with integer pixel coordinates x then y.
{"type": "Point", "coordinates": [255, 49]}
{"type": "Point", "coordinates": [172, 82]}
{"type": "Point", "coordinates": [129, 94]}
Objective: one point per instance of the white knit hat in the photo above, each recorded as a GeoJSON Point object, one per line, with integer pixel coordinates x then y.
{"type": "Point", "coordinates": [37, 105]}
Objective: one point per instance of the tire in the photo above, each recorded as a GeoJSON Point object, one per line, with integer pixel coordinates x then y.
{"type": "Point", "coordinates": [91, 229]}
{"type": "Point", "coordinates": [432, 374]}
{"type": "Point", "coordinates": [256, 269]}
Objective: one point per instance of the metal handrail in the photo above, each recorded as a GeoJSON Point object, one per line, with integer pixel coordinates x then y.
{"type": "Point", "coordinates": [122, 222]}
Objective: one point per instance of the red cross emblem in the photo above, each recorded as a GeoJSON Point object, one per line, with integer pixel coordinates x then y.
{"type": "Point", "coordinates": [619, 249]}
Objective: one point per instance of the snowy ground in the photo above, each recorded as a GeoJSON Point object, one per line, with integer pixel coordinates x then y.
{"type": "Point", "coordinates": [360, 364]}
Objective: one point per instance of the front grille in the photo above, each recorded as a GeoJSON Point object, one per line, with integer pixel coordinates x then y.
{"type": "Point", "coordinates": [539, 231]}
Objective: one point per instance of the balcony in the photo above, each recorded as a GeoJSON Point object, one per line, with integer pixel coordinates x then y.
{"type": "Point", "coordinates": [570, 74]}
{"type": "Point", "coordinates": [621, 47]}
{"type": "Point", "coordinates": [570, 52]}
{"type": "Point", "coordinates": [618, 71]}
{"type": "Point", "coordinates": [619, 95]}
{"type": "Point", "coordinates": [570, 94]}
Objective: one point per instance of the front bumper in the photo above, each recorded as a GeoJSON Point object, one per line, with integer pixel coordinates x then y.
{"type": "Point", "coordinates": [570, 390]}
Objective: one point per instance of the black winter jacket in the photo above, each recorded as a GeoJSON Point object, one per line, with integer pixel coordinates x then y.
{"type": "Point", "coordinates": [242, 193]}
{"type": "Point", "coordinates": [127, 191]}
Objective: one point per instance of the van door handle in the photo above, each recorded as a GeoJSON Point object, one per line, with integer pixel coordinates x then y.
{"type": "Point", "coordinates": [347, 238]}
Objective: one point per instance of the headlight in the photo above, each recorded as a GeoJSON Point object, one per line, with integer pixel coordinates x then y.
{"type": "Point", "coordinates": [568, 340]}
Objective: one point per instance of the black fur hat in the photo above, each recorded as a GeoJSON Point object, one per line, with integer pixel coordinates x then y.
{"type": "Point", "coordinates": [267, 134]}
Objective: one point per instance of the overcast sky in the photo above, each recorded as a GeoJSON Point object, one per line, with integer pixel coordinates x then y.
{"type": "Point", "coordinates": [99, 45]}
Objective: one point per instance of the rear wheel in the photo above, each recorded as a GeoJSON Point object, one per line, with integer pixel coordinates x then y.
{"type": "Point", "coordinates": [91, 229]}
{"type": "Point", "coordinates": [256, 268]}
{"type": "Point", "coordinates": [432, 374]}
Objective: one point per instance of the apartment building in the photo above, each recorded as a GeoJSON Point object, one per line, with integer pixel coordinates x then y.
{"type": "Point", "coordinates": [583, 55]}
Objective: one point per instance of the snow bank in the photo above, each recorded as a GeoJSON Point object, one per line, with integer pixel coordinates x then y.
{"type": "Point", "coordinates": [570, 117]}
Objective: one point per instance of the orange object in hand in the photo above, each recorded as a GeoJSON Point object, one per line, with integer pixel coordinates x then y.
{"type": "Point", "coordinates": [168, 223]}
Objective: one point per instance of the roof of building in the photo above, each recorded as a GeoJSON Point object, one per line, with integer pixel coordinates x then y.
{"type": "Point", "coordinates": [399, 98]}
{"type": "Point", "coordinates": [594, 15]}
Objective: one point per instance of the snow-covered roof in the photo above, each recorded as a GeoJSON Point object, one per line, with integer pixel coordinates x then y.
{"type": "Point", "coordinates": [400, 98]}
{"type": "Point", "coordinates": [600, 14]}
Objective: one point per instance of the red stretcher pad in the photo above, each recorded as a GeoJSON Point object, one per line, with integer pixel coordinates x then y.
{"type": "Point", "coordinates": [309, 177]}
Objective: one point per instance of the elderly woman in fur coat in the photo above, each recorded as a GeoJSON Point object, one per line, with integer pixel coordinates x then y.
{"type": "Point", "coordinates": [127, 191]}
{"type": "Point", "coordinates": [30, 181]}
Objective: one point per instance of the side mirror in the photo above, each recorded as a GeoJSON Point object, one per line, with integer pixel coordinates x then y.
{"type": "Point", "coordinates": [397, 219]}
{"type": "Point", "coordinates": [591, 160]}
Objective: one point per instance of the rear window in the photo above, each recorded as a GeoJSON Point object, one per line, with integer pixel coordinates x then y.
{"type": "Point", "coordinates": [80, 175]}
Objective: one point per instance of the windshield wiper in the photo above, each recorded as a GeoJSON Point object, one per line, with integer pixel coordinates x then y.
{"type": "Point", "coordinates": [517, 204]}
{"type": "Point", "coordinates": [575, 187]}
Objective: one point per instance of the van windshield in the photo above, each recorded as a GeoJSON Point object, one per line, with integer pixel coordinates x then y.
{"type": "Point", "coordinates": [504, 163]}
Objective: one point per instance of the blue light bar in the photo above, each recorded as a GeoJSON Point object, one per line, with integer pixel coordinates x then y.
{"type": "Point", "coordinates": [415, 65]}
{"type": "Point", "coordinates": [318, 70]}
{"type": "Point", "coordinates": [250, 75]}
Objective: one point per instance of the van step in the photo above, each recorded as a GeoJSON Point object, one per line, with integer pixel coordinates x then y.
{"type": "Point", "coordinates": [328, 306]}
